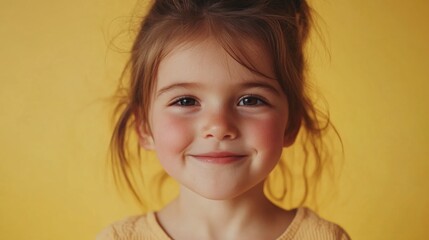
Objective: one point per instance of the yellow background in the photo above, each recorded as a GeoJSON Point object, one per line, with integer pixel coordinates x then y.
{"type": "Point", "coordinates": [58, 68]}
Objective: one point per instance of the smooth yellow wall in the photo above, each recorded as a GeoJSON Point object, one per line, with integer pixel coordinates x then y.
{"type": "Point", "coordinates": [57, 71]}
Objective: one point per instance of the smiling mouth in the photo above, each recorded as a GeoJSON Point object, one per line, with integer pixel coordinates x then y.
{"type": "Point", "coordinates": [219, 157]}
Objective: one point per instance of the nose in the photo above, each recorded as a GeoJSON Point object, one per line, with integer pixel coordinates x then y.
{"type": "Point", "coordinates": [220, 125]}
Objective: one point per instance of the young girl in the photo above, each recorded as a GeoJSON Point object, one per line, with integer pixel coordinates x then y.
{"type": "Point", "coordinates": [218, 90]}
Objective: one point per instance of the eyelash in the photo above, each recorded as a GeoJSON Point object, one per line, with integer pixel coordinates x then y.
{"type": "Point", "coordinates": [179, 101]}
{"type": "Point", "coordinates": [193, 102]}
{"type": "Point", "coordinates": [260, 100]}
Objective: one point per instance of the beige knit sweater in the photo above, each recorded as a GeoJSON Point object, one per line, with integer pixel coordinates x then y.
{"type": "Point", "coordinates": [305, 225]}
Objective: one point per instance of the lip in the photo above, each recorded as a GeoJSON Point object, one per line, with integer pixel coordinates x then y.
{"type": "Point", "coordinates": [219, 157]}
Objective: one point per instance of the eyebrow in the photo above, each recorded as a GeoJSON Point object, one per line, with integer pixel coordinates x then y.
{"type": "Point", "coordinates": [191, 85]}
{"type": "Point", "coordinates": [263, 85]}
{"type": "Point", "coordinates": [185, 85]}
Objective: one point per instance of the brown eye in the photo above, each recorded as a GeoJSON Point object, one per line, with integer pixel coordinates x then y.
{"type": "Point", "coordinates": [186, 101]}
{"type": "Point", "coordinates": [251, 101]}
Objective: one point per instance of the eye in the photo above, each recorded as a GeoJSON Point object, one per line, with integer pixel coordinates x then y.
{"type": "Point", "coordinates": [251, 101]}
{"type": "Point", "coordinates": [185, 101]}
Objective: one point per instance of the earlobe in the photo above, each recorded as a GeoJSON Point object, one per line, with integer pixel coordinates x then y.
{"type": "Point", "coordinates": [144, 137]}
{"type": "Point", "coordinates": [291, 133]}
{"type": "Point", "coordinates": [289, 139]}
{"type": "Point", "coordinates": [146, 142]}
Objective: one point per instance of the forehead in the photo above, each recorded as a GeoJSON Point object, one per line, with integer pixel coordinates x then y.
{"type": "Point", "coordinates": [209, 59]}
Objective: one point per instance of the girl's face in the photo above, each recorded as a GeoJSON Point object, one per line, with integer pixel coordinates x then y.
{"type": "Point", "coordinates": [217, 127]}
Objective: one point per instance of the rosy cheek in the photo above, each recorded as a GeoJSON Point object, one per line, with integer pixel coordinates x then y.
{"type": "Point", "coordinates": [269, 133]}
{"type": "Point", "coordinates": [172, 133]}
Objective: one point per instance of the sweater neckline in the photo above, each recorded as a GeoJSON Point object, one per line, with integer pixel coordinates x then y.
{"type": "Point", "coordinates": [287, 234]}
{"type": "Point", "coordinates": [154, 224]}
{"type": "Point", "coordinates": [291, 230]}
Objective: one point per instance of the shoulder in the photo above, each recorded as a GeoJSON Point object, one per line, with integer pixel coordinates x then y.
{"type": "Point", "coordinates": [134, 227]}
{"type": "Point", "coordinates": [123, 229]}
{"type": "Point", "coordinates": [308, 225]}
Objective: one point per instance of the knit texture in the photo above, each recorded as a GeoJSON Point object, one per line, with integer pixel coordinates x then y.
{"type": "Point", "coordinates": [305, 225]}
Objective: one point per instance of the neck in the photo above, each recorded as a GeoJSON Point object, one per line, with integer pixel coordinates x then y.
{"type": "Point", "coordinates": [252, 202]}
{"type": "Point", "coordinates": [221, 219]}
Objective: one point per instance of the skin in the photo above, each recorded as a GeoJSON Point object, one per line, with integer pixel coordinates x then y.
{"type": "Point", "coordinates": [218, 129]}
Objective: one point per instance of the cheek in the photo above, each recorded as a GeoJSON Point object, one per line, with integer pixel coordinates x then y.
{"type": "Point", "coordinates": [267, 134]}
{"type": "Point", "coordinates": [171, 134]}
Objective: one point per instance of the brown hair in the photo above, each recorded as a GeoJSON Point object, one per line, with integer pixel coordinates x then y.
{"type": "Point", "coordinates": [280, 26]}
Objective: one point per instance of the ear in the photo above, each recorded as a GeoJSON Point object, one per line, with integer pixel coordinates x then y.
{"type": "Point", "coordinates": [292, 131]}
{"type": "Point", "coordinates": [144, 136]}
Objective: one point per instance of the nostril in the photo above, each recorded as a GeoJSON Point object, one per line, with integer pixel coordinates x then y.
{"type": "Point", "coordinates": [219, 125]}
{"type": "Point", "coordinates": [221, 133]}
